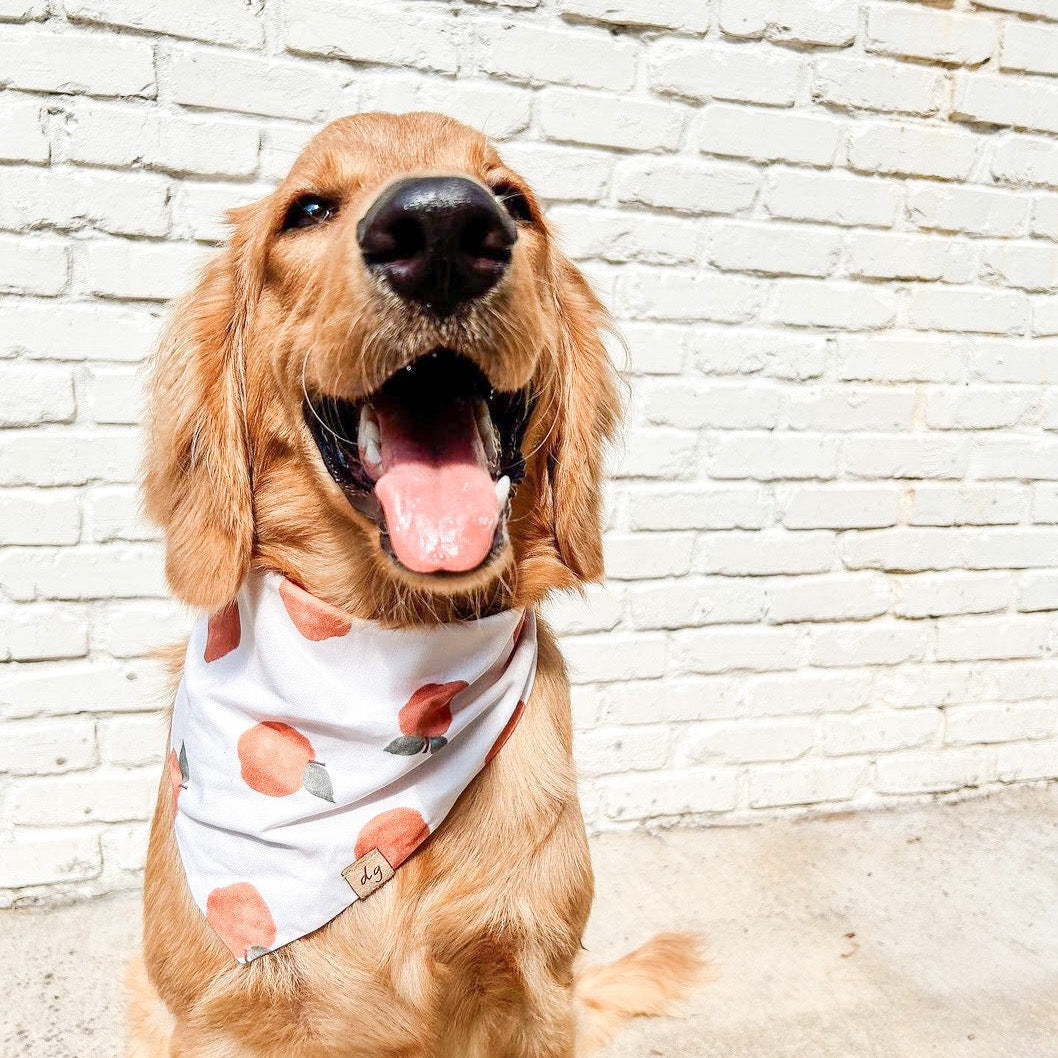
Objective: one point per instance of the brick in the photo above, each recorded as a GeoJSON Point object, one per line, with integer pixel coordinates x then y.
{"type": "Point", "coordinates": [930, 772]}
{"type": "Point", "coordinates": [55, 688]}
{"type": "Point", "coordinates": [1013, 548]}
{"type": "Point", "coordinates": [47, 747]}
{"type": "Point", "coordinates": [852, 409]}
{"type": "Point", "coordinates": [771, 457]}
{"type": "Point", "coordinates": [1026, 265]}
{"type": "Point", "coordinates": [1007, 361]}
{"type": "Point", "coordinates": [603, 659]}
{"type": "Point", "coordinates": [1018, 762]}
{"type": "Point", "coordinates": [880, 733]}
{"type": "Point", "coordinates": [691, 602]}
{"type": "Point", "coordinates": [1022, 160]}
{"type": "Point", "coordinates": [714, 405]}
{"type": "Point", "coordinates": [70, 799]}
{"type": "Point", "coordinates": [67, 456]}
{"type": "Point", "coordinates": [686, 186]}
{"type": "Point", "coordinates": [976, 724]}
{"type": "Point", "coordinates": [31, 394]}
{"type": "Point", "coordinates": [668, 14]}
{"type": "Point", "coordinates": [712, 507]}
{"type": "Point", "coordinates": [22, 136]}
{"type": "Point", "coordinates": [731, 650]}
{"type": "Point", "coordinates": [199, 209]}
{"type": "Point", "coordinates": [115, 394]}
{"type": "Point", "coordinates": [77, 63]}
{"type": "Point", "coordinates": [642, 555]}
{"type": "Point", "coordinates": [944, 594]}
{"type": "Point", "coordinates": [225, 22]}
{"type": "Point", "coordinates": [791, 22]}
{"type": "Point", "coordinates": [687, 793]}
{"type": "Point", "coordinates": [1020, 102]}
{"type": "Point", "coordinates": [1038, 591]}
{"type": "Point", "coordinates": [901, 550]}
{"type": "Point", "coordinates": [22, 10]}
{"type": "Point", "coordinates": [911, 358]}
{"type": "Point", "coordinates": [120, 136]}
{"type": "Point", "coordinates": [748, 75]}
{"type": "Point", "coordinates": [1029, 47]}
{"type": "Point", "coordinates": [670, 295]}
{"type": "Point", "coordinates": [617, 236]}
{"type": "Point", "coordinates": [749, 741]}
{"type": "Point", "coordinates": [967, 505]}
{"type": "Point", "coordinates": [561, 173]}
{"type": "Point", "coordinates": [883, 255]}
{"type": "Point", "coordinates": [526, 53]}
{"type": "Point", "coordinates": [656, 454]}
{"type": "Point", "coordinates": [146, 271]}
{"type": "Point", "coordinates": [1045, 216]}
{"type": "Point", "coordinates": [40, 517]}
{"type": "Point", "coordinates": [630, 124]}
{"type": "Point", "coordinates": [875, 643]}
{"type": "Point", "coordinates": [671, 700]}
{"type": "Point", "coordinates": [884, 86]}
{"type": "Point", "coordinates": [42, 633]}
{"type": "Point", "coordinates": [844, 306]}
{"type": "Point", "coordinates": [1045, 503]}
{"type": "Point", "coordinates": [498, 110]}
{"type": "Point", "coordinates": [248, 84]}
{"type": "Point", "coordinates": [615, 750]}
{"type": "Point", "coordinates": [913, 150]}
{"type": "Point", "coordinates": [139, 628]}
{"type": "Point", "coordinates": [980, 309]}
{"type": "Point", "coordinates": [49, 859]}
{"type": "Point", "coordinates": [967, 209]}
{"type": "Point", "coordinates": [131, 741]}
{"type": "Point", "coordinates": [770, 354]}
{"type": "Point", "coordinates": [120, 204]}
{"type": "Point", "coordinates": [772, 551]}
{"type": "Point", "coordinates": [838, 506]}
{"type": "Point", "coordinates": [808, 783]}
{"type": "Point", "coordinates": [807, 691]}
{"type": "Point", "coordinates": [83, 573]}
{"type": "Point", "coordinates": [895, 456]}
{"type": "Point", "coordinates": [30, 265]}
{"type": "Point", "coordinates": [911, 32]}
{"type": "Point", "coordinates": [832, 597]}
{"type": "Point", "coordinates": [1036, 8]}
{"type": "Point", "coordinates": [114, 514]}
{"type": "Point", "coordinates": [773, 249]}
{"type": "Point", "coordinates": [651, 348]}
{"type": "Point", "coordinates": [979, 409]}
{"type": "Point", "coordinates": [832, 199]}
{"type": "Point", "coordinates": [72, 331]}
{"type": "Point", "coordinates": [767, 135]}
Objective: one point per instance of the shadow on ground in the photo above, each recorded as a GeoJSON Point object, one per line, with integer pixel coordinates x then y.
{"type": "Point", "coordinates": [931, 931]}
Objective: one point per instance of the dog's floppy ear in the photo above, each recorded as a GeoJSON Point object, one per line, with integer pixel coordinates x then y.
{"type": "Point", "coordinates": [198, 461]}
{"type": "Point", "coordinates": [586, 413]}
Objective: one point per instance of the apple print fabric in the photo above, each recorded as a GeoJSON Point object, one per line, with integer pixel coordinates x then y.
{"type": "Point", "coordinates": [304, 739]}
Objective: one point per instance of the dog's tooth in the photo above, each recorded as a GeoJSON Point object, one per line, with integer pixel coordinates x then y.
{"type": "Point", "coordinates": [503, 490]}
{"type": "Point", "coordinates": [487, 431]}
{"type": "Point", "coordinates": [367, 431]}
{"type": "Point", "coordinates": [371, 454]}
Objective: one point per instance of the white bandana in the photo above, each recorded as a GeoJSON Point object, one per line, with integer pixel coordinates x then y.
{"type": "Point", "coordinates": [313, 753]}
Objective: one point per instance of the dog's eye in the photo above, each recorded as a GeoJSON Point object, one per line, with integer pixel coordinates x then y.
{"type": "Point", "coordinates": [516, 204]}
{"type": "Point", "coordinates": [308, 211]}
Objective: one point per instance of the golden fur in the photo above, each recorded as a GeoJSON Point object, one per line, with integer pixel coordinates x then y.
{"type": "Point", "coordinates": [469, 952]}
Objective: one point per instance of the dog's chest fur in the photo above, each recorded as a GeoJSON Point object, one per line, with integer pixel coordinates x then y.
{"type": "Point", "coordinates": [498, 899]}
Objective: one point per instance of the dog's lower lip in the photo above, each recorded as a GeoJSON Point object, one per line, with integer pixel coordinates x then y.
{"type": "Point", "coordinates": [418, 402]}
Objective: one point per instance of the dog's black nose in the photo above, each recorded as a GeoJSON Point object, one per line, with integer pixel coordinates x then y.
{"type": "Point", "coordinates": [439, 240]}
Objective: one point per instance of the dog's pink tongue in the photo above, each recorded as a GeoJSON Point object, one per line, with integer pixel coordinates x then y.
{"type": "Point", "coordinates": [439, 498]}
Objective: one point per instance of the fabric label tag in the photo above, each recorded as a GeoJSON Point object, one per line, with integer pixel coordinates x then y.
{"type": "Point", "coordinates": [369, 873]}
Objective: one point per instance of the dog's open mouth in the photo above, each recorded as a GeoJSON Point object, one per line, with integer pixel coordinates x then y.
{"type": "Point", "coordinates": [431, 456]}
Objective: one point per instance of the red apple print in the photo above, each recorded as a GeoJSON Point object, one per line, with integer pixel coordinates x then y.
{"type": "Point", "coordinates": [396, 834]}
{"type": "Point", "coordinates": [506, 732]}
{"type": "Point", "coordinates": [241, 918]}
{"type": "Point", "coordinates": [315, 620]}
{"type": "Point", "coordinates": [223, 632]}
{"type": "Point", "coordinates": [277, 760]}
{"type": "Point", "coordinates": [426, 718]}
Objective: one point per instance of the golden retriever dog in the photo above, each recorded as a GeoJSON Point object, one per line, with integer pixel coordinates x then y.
{"type": "Point", "coordinates": [400, 263]}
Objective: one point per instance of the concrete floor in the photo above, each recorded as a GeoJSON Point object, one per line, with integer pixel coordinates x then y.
{"type": "Point", "coordinates": [931, 931]}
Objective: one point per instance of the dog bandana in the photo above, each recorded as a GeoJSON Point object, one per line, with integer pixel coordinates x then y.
{"type": "Point", "coordinates": [313, 753]}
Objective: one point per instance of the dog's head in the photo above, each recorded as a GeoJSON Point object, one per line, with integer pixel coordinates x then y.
{"type": "Point", "coordinates": [390, 387]}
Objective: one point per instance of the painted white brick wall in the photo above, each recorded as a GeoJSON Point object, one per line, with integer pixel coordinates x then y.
{"type": "Point", "coordinates": [830, 234]}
